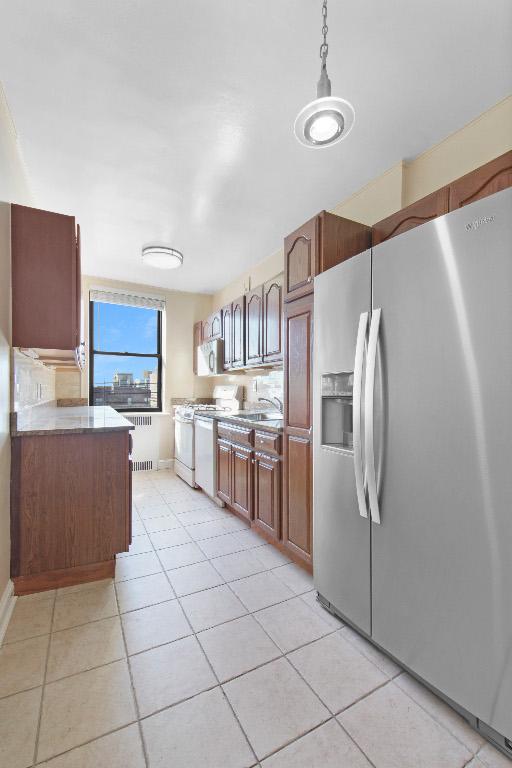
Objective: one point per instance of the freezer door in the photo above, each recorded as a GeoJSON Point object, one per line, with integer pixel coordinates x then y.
{"type": "Point", "coordinates": [341, 535]}
{"type": "Point", "coordinates": [441, 556]}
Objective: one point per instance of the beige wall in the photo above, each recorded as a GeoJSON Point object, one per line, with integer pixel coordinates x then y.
{"type": "Point", "coordinates": [14, 187]}
{"type": "Point", "coordinates": [485, 138]}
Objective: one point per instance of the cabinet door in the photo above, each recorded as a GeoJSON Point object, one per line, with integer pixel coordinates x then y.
{"type": "Point", "coordinates": [486, 180]}
{"type": "Point", "coordinates": [298, 459]}
{"type": "Point", "coordinates": [78, 289]}
{"type": "Point", "coordinates": [227, 335]}
{"type": "Point", "coordinates": [45, 283]}
{"type": "Point", "coordinates": [197, 340]}
{"type": "Point", "coordinates": [207, 329]}
{"type": "Point", "coordinates": [238, 349]}
{"type": "Point", "coordinates": [298, 501]}
{"type": "Point", "coordinates": [254, 326]}
{"type": "Point", "coordinates": [216, 325]}
{"type": "Point", "coordinates": [267, 494]}
{"type": "Point", "coordinates": [241, 487]}
{"type": "Point", "coordinates": [301, 260]}
{"type": "Point", "coordinates": [224, 470]}
{"type": "Point", "coordinates": [298, 363]}
{"type": "Point", "coordinates": [413, 215]}
{"type": "Point", "coordinates": [273, 319]}
{"type": "Point", "coordinates": [70, 506]}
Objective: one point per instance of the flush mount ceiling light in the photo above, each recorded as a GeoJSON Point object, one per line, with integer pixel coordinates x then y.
{"type": "Point", "coordinates": [328, 119]}
{"type": "Point", "coordinates": [162, 256]}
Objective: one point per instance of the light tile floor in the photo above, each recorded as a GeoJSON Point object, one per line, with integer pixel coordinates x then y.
{"type": "Point", "coordinates": [209, 651]}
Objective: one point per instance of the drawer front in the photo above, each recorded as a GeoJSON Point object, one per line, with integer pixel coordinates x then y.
{"type": "Point", "coordinates": [223, 430]}
{"type": "Point", "coordinates": [238, 434]}
{"type": "Point", "coordinates": [267, 442]}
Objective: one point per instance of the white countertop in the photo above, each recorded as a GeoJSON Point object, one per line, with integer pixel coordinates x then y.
{"type": "Point", "coordinates": [65, 420]}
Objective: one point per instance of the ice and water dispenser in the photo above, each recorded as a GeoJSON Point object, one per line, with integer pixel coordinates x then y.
{"type": "Point", "coordinates": [337, 391]}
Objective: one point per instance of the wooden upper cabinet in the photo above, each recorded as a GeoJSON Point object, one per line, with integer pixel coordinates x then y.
{"type": "Point", "coordinates": [298, 321]}
{"type": "Point", "coordinates": [206, 329]}
{"type": "Point", "coordinates": [273, 320]}
{"type": "Point", "coordinates": [227, 335]}
{"type": "Point", "coordinates": [300, 260]}
{"type": "Point", "coordinates": [216, 325]}
{"type": "Point", "coordinates": [429, 207]}
{"type": "Point", "coordinates": [238, 349]}
{"type": "Point", "coordinates": [321, 243]}
{"type": "Point", "coordinates": [254, 326]}
{"type": "Point", "coordinates": [78, 290]}
{"type": "Point", "coordinates": [46, 286]}
{"type": "Point", "coordinates": [197, 341]}
{"type": "Point", "coordinates": [486, 180]}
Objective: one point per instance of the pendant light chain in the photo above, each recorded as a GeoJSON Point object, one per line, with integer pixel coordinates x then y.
{"type": "Point", "coordinates": [324, 48]}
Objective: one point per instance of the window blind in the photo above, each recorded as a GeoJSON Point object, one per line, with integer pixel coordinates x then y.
{"type": "Point", "coordinates": [127, 299]}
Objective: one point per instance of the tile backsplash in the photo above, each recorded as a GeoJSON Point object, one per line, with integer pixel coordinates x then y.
{"type": "Point", "coordinates": [32, 382]}
{"type": "Point", "coordinates": [258, 384]}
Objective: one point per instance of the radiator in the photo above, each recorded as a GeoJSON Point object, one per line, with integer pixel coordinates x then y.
{"type": "Point", "coordinates": [151, 440]}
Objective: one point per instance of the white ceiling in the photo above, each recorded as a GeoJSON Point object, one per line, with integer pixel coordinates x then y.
{"type": "Point", "coordinates": [166, 120]}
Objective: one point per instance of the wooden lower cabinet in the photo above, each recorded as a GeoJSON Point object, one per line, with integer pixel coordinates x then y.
{"type": "Point", "coordinates": [242, 480]}
{"type": "Point", "coordinates": [70, 508]}
{"type": "Point", "coordinates": [267, 494]}
{"type": "Point", "coordinates": [298, 497]}
{"type": "Point", "coordinates": [234, 476]}
{"type": "Point", "coordinates": [250, 481]}
{"type": "Point", "coordinates": [224, 470]}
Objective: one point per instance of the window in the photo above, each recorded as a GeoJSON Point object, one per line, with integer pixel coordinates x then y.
{"type": "Point", "coordinates": [125, 358]}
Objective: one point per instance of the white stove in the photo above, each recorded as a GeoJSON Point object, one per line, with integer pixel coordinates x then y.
{"type": "Point", "coordinates": [227, 400]}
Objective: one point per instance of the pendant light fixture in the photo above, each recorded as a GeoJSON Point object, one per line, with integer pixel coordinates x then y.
{"type": "Point", "coordinates": [162, 256]}
{"type": "Point", "coordinates": [328, 119]}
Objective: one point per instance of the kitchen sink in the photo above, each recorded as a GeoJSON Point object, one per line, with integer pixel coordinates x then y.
{"type": "Point", "coordinates": [259, 416]}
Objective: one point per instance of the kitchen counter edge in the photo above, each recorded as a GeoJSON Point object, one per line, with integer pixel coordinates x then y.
{"type": "Point", "coordinates": [271, 425]}
{"type": "Point", "coordinates": [77, 420]}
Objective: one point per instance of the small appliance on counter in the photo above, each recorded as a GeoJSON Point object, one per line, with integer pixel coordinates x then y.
{"type": "Point", "coordinates": [194, 443]}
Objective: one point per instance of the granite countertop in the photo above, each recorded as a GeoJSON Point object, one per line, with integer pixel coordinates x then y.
{"type": "Point", "coordinates": [265, 425]}
{"type": "Point", "coordinates": [64, 421]}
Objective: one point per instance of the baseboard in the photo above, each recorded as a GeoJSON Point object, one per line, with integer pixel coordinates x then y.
{"type": "Point", "coordinates": [7, 602]}
{"type": "Point", "coordinates": [165, 463]}
{"type": "Point", "coordinates": [64, 577]}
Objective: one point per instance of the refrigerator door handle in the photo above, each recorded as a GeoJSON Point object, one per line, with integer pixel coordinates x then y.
{"type": "Point", "coordinates": [356, 413]}
{"type": "Point", "coordinates": [369, 389]}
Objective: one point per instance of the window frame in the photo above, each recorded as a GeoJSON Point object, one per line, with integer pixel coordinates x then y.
{"type": "Point", "coordinates": [157, 355]}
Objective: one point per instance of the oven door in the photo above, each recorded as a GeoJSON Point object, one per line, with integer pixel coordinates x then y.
{"type": "Point", "coordinates": [184, 441]}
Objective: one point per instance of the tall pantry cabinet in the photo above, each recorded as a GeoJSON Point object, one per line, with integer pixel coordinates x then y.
{"type": "Point", "coordinates": [321, 243]}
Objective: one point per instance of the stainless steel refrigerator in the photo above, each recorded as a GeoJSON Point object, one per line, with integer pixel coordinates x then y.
{"type": "Point", "coordinates": [413, 453]}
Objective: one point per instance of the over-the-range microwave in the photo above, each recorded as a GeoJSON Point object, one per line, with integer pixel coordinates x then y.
{"type": "Point", "coordinates": [210, 358]}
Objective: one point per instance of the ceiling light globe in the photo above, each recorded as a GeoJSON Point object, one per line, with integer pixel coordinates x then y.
{"type": "Point", "coordinates": [162, 257]}
{"type": "Point", "coordinates": [324, 122]}
{"type": "Point", "coordinates": [323, 127]}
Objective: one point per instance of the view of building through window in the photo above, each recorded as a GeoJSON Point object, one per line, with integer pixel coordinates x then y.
{"type": "Point", "coordinates": [125, 361]}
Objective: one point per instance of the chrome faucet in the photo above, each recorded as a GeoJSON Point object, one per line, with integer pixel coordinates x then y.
{"type": "Point", "coordinates": [275, 401]}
